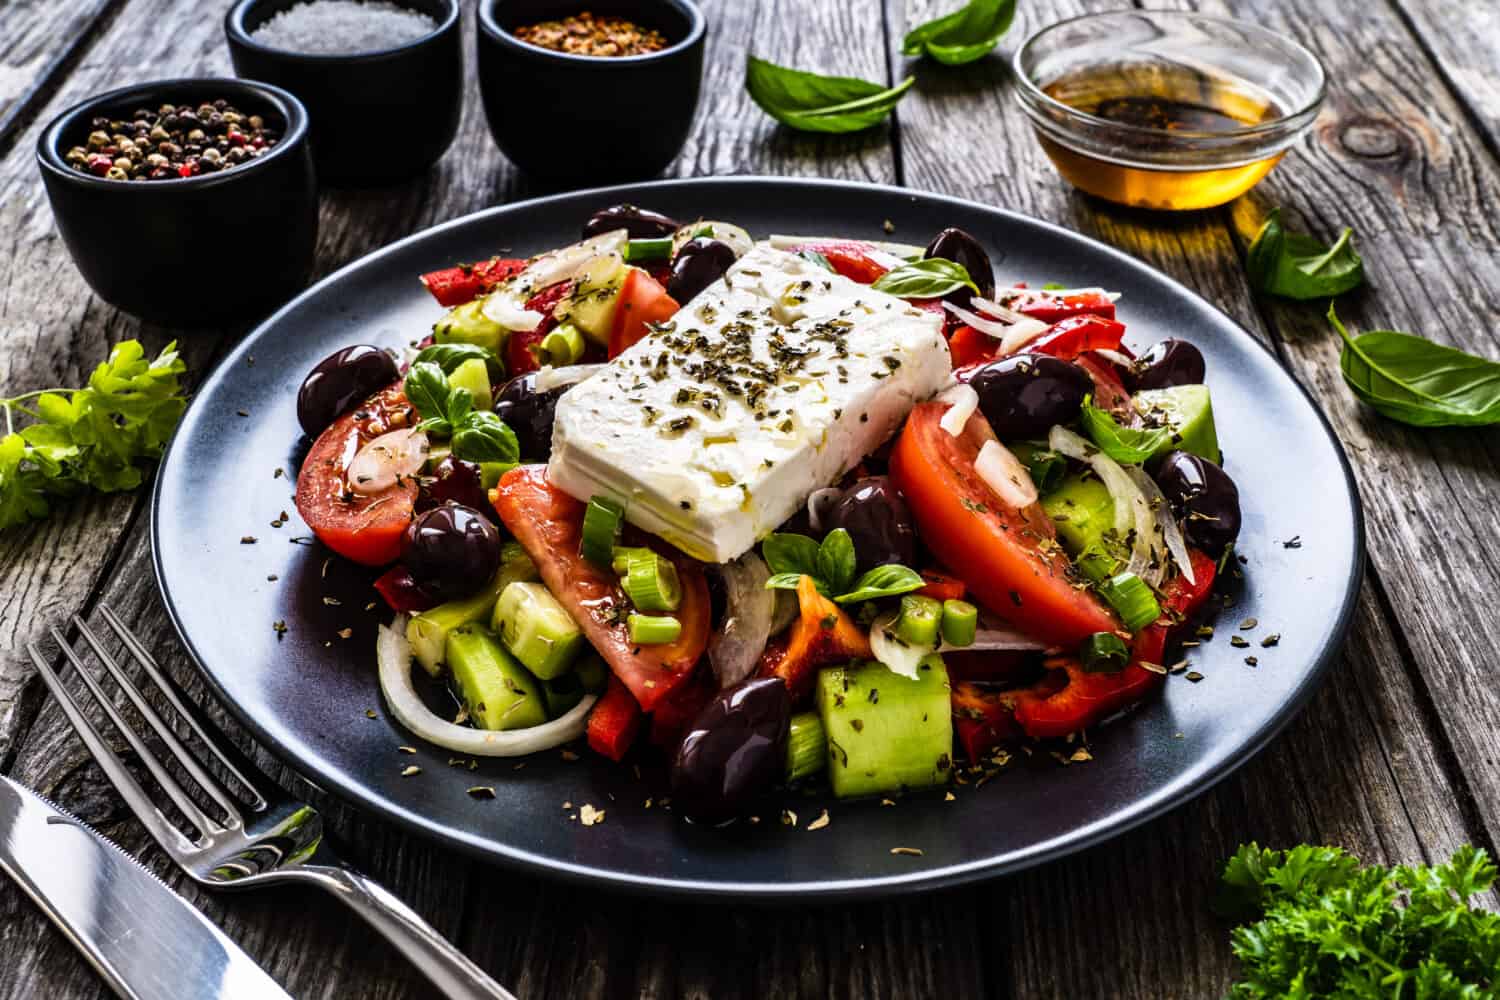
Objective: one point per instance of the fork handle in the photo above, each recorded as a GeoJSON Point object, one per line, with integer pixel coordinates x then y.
{"type": "Point", "coordinates": [447, 967]}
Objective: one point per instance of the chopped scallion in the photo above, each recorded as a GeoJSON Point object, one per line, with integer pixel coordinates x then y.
{"type": "Point", "coordinates": [562, 346]}
{"type": "Point", "coordinates": [651, 630]}
{"type": "Point", "coordinates": [1104, 653]}
{"type": "Point", "coordinates": [601, 529]}
{"type": "Point", "coordinates": [1132, 600]}
{"type": "Point", "coordinates": [637, 251]}
{"type": "Point", "coordinates": [917, 624]}
{"type": "Point", "coordinates": [960, 623]}
{"type": "Point", "coordinates": [651, 582]}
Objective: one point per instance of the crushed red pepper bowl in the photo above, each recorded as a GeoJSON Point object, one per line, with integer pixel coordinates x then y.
{"type": "Point", "coordinates": [563, 117]}
{"type": "Point", "coordinates": [202, 251]}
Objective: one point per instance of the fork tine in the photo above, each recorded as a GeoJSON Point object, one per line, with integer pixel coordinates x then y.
{"type": "Point", "coordinates": [153, 764]}
{"type": "Point", "coordinates": [167, 835]}
{"type": "Point", "coordinates": [208, 782]}
{"type": "Point", "coordinates": [148, 664]}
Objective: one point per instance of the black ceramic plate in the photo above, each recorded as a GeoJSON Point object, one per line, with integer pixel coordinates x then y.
{"type": "Point", "coordinates": [306, 693]}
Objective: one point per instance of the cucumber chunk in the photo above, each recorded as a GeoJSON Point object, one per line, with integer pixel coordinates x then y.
{"type": "Point", "coordinates": [562, 693]}
{"type": "Point", "coordinates": [806, 746]}
{"type": "Point", "coordinates": [498, 691]}
{"type": "Point", "coordinates": [1188, 411]}
{"type": "Point", "coordinates": [537, 629]}
{"type": "Point", "coordinates": [428, 631]}
{"type": "Point", "coordinates": [591, 305]}
{"type": "Point", "coordinates": [886, 732]}
{"type": "Point", "coordinates": [474, 376]}
{"type": "Point", "coordinates": [1082, 510]}
{"type": "Point", "coordinates": [467, 324]}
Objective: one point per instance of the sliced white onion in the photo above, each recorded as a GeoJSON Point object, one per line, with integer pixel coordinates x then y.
{"type": "Point", "coordinates": [1012, 335]}
{"type": "Point", "coordinates": [1004, 473]}
{"type": "Point", "coordinates": [560, 265]}
{"type": "Point", "coordinates": [819, 503]}
{"type": "Point", "coordinates": [892, 650]}
{"type": "Point", "coordinates": [393, 654]}
{"type": "Point", "coordinates": [549, 378]}
{"type": "Point", "coordinates": [991, 640]}
{"type": "Point", "coordinates": [727, 233]}
{"type": "Point", "coordinates": [1132, 512]}
{"type": "Point", "coordinates": [1115, 356]}
{"type": "Point", "coordinates": [901, 253]}
{"type": "Point", "coordinates": [1005, 293]}
{"type": "Point", "coordinates": [965, 401]}
{"type": "Point", "coordinates": [503, 307]}
{"type": "Point", "coordinates": [735, 648]}
{"type": "Point", "coordinates": [992, 308]}
{"type": "Point", "coordinates": [1166, 524]}
{"type": "Point", "coordinates": [392, 456]}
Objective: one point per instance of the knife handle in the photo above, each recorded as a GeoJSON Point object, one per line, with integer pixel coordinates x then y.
{"type": "Point", "coordinates": [447, 967]}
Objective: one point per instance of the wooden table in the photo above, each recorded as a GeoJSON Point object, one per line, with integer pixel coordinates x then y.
{"type": "Point", "coordinates": [1395, 758]}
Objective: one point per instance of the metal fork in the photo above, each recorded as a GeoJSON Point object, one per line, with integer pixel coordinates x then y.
{"type": "Point", "coordinates": [281, 840]}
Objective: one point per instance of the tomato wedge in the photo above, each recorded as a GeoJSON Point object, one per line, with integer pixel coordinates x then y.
{"type": "Point", "coordinates": [1073, 336]}
{"type": "Point", "coordinates": [970, 347]}
{"type": "Point", "coordinates": [1050, 308]}
{"type": "Point", "coordinates": [453, 286]}
{"type": "Point", "coordinates": [364, 528]}
{"type": "Point", "coordinates": [851, 259]}
{"type": "Point", "coordinates": [1008, 558]}
{"type": "Point", "coordinates": [642, 301]}
{"type": "Point", "coordinates": [549, 525]}
{"type": "Point", "coordinates": [1109, 392]}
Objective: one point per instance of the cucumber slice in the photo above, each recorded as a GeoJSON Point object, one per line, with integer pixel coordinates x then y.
{"type": "Point", "coordinates": [428, 631]}
{"type": "Point", "coordinates": [473, 375]}
{"type": "Point", "coordinates": [537, 629]}
{"type": "Point", "coordinates": [886, 732]}
{"type": "Point", "coordinates": [591, 304]}
{"type": "Point", "coordinates": [1188, 411]}
{"type": "Point", "coordinates": [467, 324]}
{"type": "Point", "coordinates": [806, 746]}
{"type": "Point", "coordinates": [497, 691]}
{"type": "Point", "coordinates": [1082, 510]}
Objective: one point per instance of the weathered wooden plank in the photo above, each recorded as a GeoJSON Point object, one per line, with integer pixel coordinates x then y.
{"type": "Point", "coordinates": [37, 41]}
{"type": "Point", "coordinates": [1462, 39]}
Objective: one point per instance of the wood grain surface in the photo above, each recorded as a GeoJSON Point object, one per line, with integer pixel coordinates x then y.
{"type": "Point", "coordinates": [1393, 758]}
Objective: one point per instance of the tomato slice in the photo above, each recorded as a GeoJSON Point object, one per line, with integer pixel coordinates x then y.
{"type": "Point", "coordinates": [642, 301]}
{"type": "Point", "coordinates": [549, 525]}
{"type": "Point", "coordinates": [1109, 392]}
{"type": "Point", "coordinates": [851, 259]}
{"type": "Point", "coordinates": [970, 347]}
{"type": "Point", "coordinates": [1051, 308]}
{"type": "Point", "coordinates": [1009, 558]}
{"type": "Point", "coordinates": [364, 528]}
{"type": "Point", "coordinates": [453, 286]}
{"type": "Point", "coordinates": [1073, 336]}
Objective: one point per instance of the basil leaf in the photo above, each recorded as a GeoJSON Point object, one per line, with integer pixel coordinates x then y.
{"type": "Point", "coordinates": [883, 581]}
{"type": "Point", "coordinates": [786, 552]}
{"type": "Point", "coordinates": [1130, 445]}
{"type": "Point", "coordinates": [812, 103]}
{"type": "Point", "coordinates": [450, 355]}
{"type": "Point", "coordinates": [925, 279]}
{"type": "Point", "coordinates": [1295, 266]}
{"type": "Point", "coordinates": [1418, 382]}
{"type": "Point", "coordinates": [427, 389]}
{"type": "Point", "coordinates": [836, 559]}
{"type": "Point", "coordinates": [963, 36]}
{"type": "Point", "coordinates": [484, 437]}
{"type": "Point", "coordinates": [784, 581]}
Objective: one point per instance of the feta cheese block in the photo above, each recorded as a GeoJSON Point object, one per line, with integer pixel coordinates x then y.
{"type": "Point", "coordinates": [773, 382]}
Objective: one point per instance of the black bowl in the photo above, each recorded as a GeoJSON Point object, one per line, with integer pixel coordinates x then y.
{"type": "Point", "coordinates": [195, 251]}
{"type": "Point", "coordinates": [567, 117]}
{"type": "Point", "coordinates": [377, 117]}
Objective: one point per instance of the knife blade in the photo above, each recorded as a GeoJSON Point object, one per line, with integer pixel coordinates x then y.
{"type": "Point", "coordinates": [145, 940]}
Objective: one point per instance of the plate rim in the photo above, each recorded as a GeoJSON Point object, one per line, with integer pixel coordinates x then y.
{"type": "Point", "coordinates": [1141, 811]}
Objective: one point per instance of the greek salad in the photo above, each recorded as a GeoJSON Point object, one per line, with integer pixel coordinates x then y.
{"type": "Point", "coordinates": [796, 510]}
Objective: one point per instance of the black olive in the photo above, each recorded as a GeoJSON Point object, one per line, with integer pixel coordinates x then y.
{"type": "Point", "coordinates": [451, 551]}
{"type": "Point", "coordinates": [1167, 363]}
{"type": "Point", "coordinates": [456, 481]}
{"type": "Point", "coordinates": [961, 248]}
{"type": "Point", "coordinates": [1026, 395]}
{"type": "Point", "coordinates": [734, 749]}
{"type": "Point", "coordinates": [699, 263]}
{"type": "Point", "coordinates": [529, 413]}
{"type": "Point", "coordinates": [1203, 497]}
{"type": "Point", "coordinates": [340, 382]}
{"type": "Point", "coordinates": [640, 223]}
{"type": "Point", "coordinates": [879, 522]}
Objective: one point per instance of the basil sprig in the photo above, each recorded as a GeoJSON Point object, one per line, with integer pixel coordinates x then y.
{"type": "Point", "coordinates": [450, 355]}
{"type": "Point", "coordinates": [925, 279]}
{"type": "Point", "coordinates": [812, 103]}
{"type": "Point", "coordinates": [1130, 445]}
{"type": "Point", "coordinates": [1418, 382]}
{"type": "Point", "coordinates": [832, 566]}
{"type": "Point", "coordinates": [448, 410]}
{"type": "Point", "coordinates": [1295, 266]}
{"type": "Point", "coordinates": [963, 36]}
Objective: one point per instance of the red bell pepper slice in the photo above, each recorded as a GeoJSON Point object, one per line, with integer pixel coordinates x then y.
{"type": "Point", "coordinates": [822, 634]}
{"type": "Point", "coordinates": [970, 347]}
{"type": "Point", "coordinates": [1050, 308]}
{"type": "Point", "coordinates": [984, 718]}
{"type": "Point", "coordinates": [522, 353]}
{"type": "Point", "coordinates": [615, 721]}
{"type": "Point", "coordinates": [1073, 336]}
{"type": "Point", "coordinates": [453, 286]}
{"type": "Point", "coordinates": [942, 586]}
{"type": "Point", "coordinates": [851, 259]}
{"type": "Point", "coordinates": [675, 712]}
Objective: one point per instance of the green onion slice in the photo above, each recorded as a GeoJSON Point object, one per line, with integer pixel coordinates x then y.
{"type": "Point", "coordinates": [637, 251]}
{"type": "Point", "coordinates": [620, 563]}
{"type": "Point", "coordinates": [960, 623]}
{"type": "Point", "coordinates": [562, 346]}
{"type": "Point", "coordinates": [1132, 600]}
{"type": "Point", "coordinates": [917, 625]}
{"type": "Point", "coordinates": [651, 582]}
{"type": "Point", "coordinates": [601, 530]}
{"type": "Point", "coordinates": [1104, 653]}
{"type": "Point", "coordinates": [651, 630]}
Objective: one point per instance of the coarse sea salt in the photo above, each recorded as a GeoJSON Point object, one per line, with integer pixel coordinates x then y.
{"type": "Point", "coordinates": [343, 27]}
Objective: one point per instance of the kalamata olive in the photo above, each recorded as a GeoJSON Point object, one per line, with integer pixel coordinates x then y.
{"type": "Point", "coordinates": [878, 520]}
{"type": "Point", "coordinates": [699, 263]}
{"type": "Point", "coordinates": [734, 749]}
{"type": "Point", "coordinates": [456, 481]}
{"type": "Point", "coordinates": [1203, 497]}
{"type": "Point", "coordinates": [1026, 395]}
{"type": "Point", "coordinates": [341, 381]}
{"type": "Point", "coordinates": [640, 223]}
{"type": "Point", "coordinates": [961, 248]}
{"type": "Point", "coordinates": [1167, 363]}
{"type": "Point", "coordinates": [529, 413]}
{"type": "Point", "coordinates": [451, 551]}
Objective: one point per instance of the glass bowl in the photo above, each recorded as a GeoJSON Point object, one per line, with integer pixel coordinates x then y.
{"type": "Point", "coordinates": [1166, 109]}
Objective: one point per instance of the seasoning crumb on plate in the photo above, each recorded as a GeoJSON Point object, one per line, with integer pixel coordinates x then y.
{"type": "Point", "coordinates": [915, 852]}
{"type": "Point", "coordinates": [1193, 676]}
{"type": "Point", "coordinates": [588, 815]}
{"type": "Point", "coordinates": [482, 792]}
{"type": "Point", "coordinates": [409, 770]}
{"type": "Point", "coordinates": [820, 822]}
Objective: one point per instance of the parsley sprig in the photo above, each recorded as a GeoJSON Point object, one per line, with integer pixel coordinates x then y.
{"type": "Point", "coordinates": [60, 442]}
{"type": "Point", "coordinates": [1329, 927]}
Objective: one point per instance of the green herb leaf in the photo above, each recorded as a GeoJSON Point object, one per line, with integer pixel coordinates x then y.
{"type": "Point", "coordinates": [963, 36]}
{"type": "Point", "coordinates": [1418, 382]}
{"type": "Point", "coordinates": [812, 103]}
{"type": "Point", "coordinates": [817, 258]}
{"type": "Point", "coordinates": [925, 279]}
{"type": "Point", "coordinates": [784, 581]}
{"type": "Point", "coordinates": [836, 560]}
{"type": "Point", "coordinates": [22, 493]}
{"type": "Point", "coordinates": [1130, 445]}
{"type": "Point", "coordinates": [484, 437]}
{"type": "Point", "coordinates": [788, 552]}
{"type": "Point", "coordinates": [890, 580]}
{"type": "Point", "coordinates": [450, 355]}
{"type": "Point", "coordinates": [1299, 267]}
{"type": "Point", "coordinates": [427, 389]}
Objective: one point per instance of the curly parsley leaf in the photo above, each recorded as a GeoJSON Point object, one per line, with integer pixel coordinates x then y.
{"type": "Point", "coordinates": [1295, 266]}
